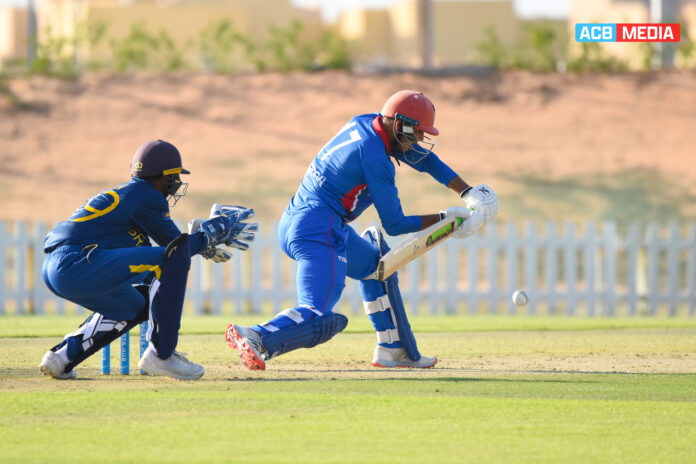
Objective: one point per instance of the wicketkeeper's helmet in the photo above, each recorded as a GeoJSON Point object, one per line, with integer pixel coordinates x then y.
{"type": "Point", "coordinates": [414, 108]}
{"type": "Point", "coordinates": [160, 158]}
{"type": "Point", "coordinates": [156, 158]}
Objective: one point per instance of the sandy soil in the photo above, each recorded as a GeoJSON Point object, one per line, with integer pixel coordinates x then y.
{"type": "Point", "coordinates": [249, 138]}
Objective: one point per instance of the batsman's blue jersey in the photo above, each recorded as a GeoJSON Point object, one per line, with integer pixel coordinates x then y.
{"type": "Point", "coordinates": [350, 173]}
{"type": "Point", "coordinates": [95, 257]}
{"type": "Point", "coordinates": [354, 171]}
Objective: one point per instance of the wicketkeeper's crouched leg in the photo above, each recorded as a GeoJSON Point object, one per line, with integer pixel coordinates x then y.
{"type": "Point", "coordinates": [96, 332]}
{"type": "Point", "coordinates": [166, 299]}
{"type": "Point", "coordinates": [396, 344]}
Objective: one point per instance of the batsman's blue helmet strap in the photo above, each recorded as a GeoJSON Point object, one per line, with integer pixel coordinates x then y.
{"type": "Point", "coordinates": [156, 158]}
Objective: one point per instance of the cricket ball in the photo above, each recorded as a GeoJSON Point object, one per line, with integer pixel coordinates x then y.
{"type": "Point", "coordinates": [520, 298]}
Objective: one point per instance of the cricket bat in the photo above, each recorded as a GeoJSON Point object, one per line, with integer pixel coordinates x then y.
{"type": "Point", "coordinates": [417, 244]}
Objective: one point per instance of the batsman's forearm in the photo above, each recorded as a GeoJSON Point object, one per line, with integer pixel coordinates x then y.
{"type": "Point", "coordinates": [429, 220]}
{"type": "Point", "coordinates": [458, 185]}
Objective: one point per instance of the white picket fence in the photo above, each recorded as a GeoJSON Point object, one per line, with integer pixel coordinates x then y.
{"type": "Point", "coordinates": [583, 270]}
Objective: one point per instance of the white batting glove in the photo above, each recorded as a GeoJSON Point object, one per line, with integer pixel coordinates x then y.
{"type": "Point", "coordinates": [218, 255]}
{"type": "Point", "coordinates": [483, 199]}
{"type": "Point", "coordinates": [473, 220]}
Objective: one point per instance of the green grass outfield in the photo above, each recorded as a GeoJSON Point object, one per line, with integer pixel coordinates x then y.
{"type": "Point", "coordinates": [505, 390]}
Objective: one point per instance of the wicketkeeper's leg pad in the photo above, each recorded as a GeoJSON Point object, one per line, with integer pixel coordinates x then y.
{"type": "Point", "coordinates": [167, 297]}
{"type": "Point", "coordinates": [94, 333]}
{"type": "Point", "coordinates": [385, 307]}
{"type": "Point", "coordinates": [303, 335]}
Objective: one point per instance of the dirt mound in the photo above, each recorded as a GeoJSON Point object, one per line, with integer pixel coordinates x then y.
{"type": "Point", "coordinates": [249, 138]}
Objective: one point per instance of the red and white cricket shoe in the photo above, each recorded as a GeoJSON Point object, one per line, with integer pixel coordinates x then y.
{"type": "Point", "coordinates": [248, 343]}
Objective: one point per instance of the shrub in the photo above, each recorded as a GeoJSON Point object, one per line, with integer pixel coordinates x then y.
{"type": "Point", "coordinates": [143, 50]}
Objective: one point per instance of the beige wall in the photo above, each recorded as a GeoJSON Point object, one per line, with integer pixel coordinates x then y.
{"type": "Point", "coordinates": [369, 33]}
{"type": "Point", "coordinates": [393, 36]}
{"type": "Point", "coordinates": [461, 25]}
{"type": "Point", "coordinates": [13, 33]}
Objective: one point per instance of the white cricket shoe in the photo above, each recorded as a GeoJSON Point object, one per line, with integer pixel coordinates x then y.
{"type": "Point", "coordinates": [397, 357]}
{"type": "Point", "coordinates": [176, 366]}
{"type": "Point", "coordinates": [248, 343]}
{"type": "Point", "coordinates": [52, 364]}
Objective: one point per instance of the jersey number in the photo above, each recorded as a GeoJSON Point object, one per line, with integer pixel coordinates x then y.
{"type": "Point", "coordinates": [354, 137]}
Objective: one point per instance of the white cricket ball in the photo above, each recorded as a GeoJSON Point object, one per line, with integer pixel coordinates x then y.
{"type": "Point", "coordinates": [520, 298]}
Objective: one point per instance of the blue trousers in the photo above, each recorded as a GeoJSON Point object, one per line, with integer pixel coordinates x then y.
{"type": "Point", "coordinates": [326, 251]}
{"type": "Point", "coordinates": [101, 279]}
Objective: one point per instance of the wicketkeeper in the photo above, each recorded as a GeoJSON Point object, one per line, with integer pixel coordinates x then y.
{"type": "Point", "coordinates": [352, 171]}
{"type": "Point", "coordinates": [102, 259]}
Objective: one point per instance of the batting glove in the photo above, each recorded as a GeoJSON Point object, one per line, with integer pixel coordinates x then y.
{"type": "Point", "coordinates": [473, 220]}
{"type": "Point", "coordinates": [483, 199]}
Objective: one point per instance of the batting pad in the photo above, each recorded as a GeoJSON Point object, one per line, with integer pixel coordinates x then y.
{"type": "Point", "coordinates": [304, 335]}
{"type": "Point", "coordinates": [385, 307]}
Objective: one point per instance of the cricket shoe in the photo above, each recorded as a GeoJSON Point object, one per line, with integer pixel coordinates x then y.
{"type": "Point", "coordinates": [52, 364]}
{"type": "Point", "coordinates": [176, 366]}
{"type": "Point", "coordinates": [397, 357]}
{"type": "Point", "coordinates": [248, 343]}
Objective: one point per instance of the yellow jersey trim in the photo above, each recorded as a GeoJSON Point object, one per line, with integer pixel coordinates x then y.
{"type": "Point", "coordinates": [137, 269]}
{"type": "Point", "coordinates": [99, 212]}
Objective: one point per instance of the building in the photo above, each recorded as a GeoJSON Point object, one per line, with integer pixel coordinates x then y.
{"type": "Point", "coordinates": [181, 19]}
{"type": "Point", "coordinates": [396, 36]}
{"type": "Point", "coordinates": [13, 33]}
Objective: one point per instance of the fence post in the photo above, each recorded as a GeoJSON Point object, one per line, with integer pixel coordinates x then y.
{"type": "Point", "coordinates": [590, 259]}
{"type": "Point", "coordinates": [3, 264]}
{"type": "Point", "coordinates": [39, 291]}
{"type": "Point", "coordinates": [531, 266]}
{"type": "Point", "coordinates": [472, 250]}
{"type": "Point", "coordinates": [512, 246]}
{"type": "Point", "coordinates": [452, 277]}
{"type": "Point", "coordinates": [551, 266]}
{"type": "Point", "coordinates": [652, 267]}
{"type": "Point", "coordinates": [20, 255]}
{"type": "Point", "coordinates": [635, 272]}
{"type": "Point", "coordinates": [673, 267]}
{"type": "Point", "coordinates": [609, 278]}
{"type": "Point", "coordinates": [691, 269]}
{"type": "Point", "coordinates": [571, 269]}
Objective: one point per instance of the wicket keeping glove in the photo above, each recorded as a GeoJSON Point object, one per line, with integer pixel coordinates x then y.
{"type": "Point", "coordinates": [238, 213]}
{"type": "Point", "coordinates": [218, 255]}
{"type": "Point", "coordinates": [483, 199]}
{"type": "Point", "coordinates": [473, 220]}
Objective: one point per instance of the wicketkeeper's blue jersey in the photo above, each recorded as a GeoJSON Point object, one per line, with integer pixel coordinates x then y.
{"type": "Point", "coordinates": [126, 216]}
{"type": "Point", "coordinates": [354, 171]}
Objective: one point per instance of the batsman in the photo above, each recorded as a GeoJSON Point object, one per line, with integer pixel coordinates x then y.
{"type": "Point", "coordinates": [353, 171]}
{"type": "Point", "coordinates": [102, 258]}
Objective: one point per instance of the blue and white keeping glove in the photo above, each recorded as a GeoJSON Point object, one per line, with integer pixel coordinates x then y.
{"type": "Point", "coordinates": [218, 255]}
{"type": "Point", "coordinates": [244, 231]}
{"type": "Point", "coordinates": [473, 220]}
{"type": "Point", "coordinates": [483, 199]}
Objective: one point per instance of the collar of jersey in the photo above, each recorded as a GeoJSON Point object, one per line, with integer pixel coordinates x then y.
{"type": "Point", "coordinates": [381, 132]}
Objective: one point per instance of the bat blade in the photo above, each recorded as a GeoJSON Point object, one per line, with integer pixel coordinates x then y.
{"type": "Point", "coordinates": [417, 244]}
